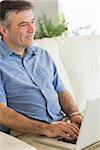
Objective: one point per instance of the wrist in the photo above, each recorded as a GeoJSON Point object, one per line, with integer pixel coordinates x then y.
{"type": "Point", "coordinates": [46, 129]}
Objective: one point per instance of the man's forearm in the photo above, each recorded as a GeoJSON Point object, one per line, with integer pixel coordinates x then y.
{"type": "Point", "coordinates": [67, 103]}
{"type": "Point", "coordinates": [20, 123]}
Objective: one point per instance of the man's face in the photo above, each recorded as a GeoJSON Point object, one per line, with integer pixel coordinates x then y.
{"type": "Point", "coordinates": [21, 32]}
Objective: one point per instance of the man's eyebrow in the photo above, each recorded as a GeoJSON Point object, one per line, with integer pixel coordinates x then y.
{"type": "Point", "coordinates": [25, 22]}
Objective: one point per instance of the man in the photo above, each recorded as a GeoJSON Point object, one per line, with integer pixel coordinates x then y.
{"type": "Point", "coordinates": [32, 96]}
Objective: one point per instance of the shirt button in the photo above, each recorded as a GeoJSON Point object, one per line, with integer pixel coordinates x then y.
{"type": "Point", "coordinates": [43, 91]}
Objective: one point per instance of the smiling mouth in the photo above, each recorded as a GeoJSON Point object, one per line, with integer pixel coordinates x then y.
{"type": "Point", "coordinates": [29, 37]}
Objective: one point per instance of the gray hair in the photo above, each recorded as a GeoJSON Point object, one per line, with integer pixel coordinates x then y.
{"type": "Point", "coordinates": [9, 6]}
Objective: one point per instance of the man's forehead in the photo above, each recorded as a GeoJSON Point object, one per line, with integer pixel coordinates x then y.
{"type": "Point", "coordinates": [22, 15]}
{"type": "Point", "coordinates": [23, 12]}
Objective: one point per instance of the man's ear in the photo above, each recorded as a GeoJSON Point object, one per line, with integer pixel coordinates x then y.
{"type": "Point", "coordinates": [3, 30]}
{"type": "Point", "coordinates": [0, 29]}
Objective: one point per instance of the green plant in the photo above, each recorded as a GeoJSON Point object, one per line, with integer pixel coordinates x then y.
{"type": "Point", "coordinates": [47, 29]}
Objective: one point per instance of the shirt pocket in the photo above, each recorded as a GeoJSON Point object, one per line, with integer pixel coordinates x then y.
{"type": "Point", "coordinates": [45, 74]}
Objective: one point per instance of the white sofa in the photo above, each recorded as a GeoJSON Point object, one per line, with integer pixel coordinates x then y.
{"type": "Point", "coordinates": [78, 62]}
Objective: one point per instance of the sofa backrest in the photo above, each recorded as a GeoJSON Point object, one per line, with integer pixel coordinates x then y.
{"type": "Point", "coordinates": [78, 63]}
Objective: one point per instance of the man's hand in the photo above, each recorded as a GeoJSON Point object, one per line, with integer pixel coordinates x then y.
{"type": "Point", "coordinates": [77, 120]}
{"type": "Point", "coordinates": [62, 129]}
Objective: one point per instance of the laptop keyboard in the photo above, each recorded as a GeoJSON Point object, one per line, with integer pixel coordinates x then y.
{"type": "Point", "coordinates": [68, 141]}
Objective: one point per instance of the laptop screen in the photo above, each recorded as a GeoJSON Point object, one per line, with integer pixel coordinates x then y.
{"type": "Point", "coordinates": [90, 128]}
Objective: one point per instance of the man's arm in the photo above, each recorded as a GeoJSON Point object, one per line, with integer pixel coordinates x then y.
{"type": "Point", "coordinates": [23, 124]}
{"type": "Point", "coordinates": [19, 122]}
{"type": "Point", "coordinates": [67, 103]}
{"type": "Point", "coordinates": [70, 108]}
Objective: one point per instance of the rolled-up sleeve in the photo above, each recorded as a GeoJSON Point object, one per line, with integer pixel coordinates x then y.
{"type": "Point", "coordinates": [2, 91]}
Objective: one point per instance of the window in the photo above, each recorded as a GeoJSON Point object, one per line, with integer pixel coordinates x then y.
{"type": "Point", "coordinates": [82, 16]}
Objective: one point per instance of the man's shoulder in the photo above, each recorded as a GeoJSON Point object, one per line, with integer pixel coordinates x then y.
{"type": "Point", "coordinates": [38, 50]}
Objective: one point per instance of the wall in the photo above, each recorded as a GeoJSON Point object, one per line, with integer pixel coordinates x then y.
{"type": "Point", "coordinates": [49, 7]}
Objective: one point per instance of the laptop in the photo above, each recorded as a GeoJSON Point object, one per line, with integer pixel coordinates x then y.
{"type": "Point", "coordinates": [89, 135]}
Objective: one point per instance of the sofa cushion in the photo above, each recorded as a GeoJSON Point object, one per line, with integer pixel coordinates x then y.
{"type": "Point", "coordinates": [81, 59]}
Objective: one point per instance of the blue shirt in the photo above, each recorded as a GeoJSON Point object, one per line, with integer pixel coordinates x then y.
{"type": "Point", "coordinates": [30, 85]}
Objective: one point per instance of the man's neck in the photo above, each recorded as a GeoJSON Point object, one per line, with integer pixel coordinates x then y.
{"type": "Point", "coordinates": [19, 50]}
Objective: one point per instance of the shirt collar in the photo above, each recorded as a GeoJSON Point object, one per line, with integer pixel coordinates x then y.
{"type": "Point", "coordinates": [6, 51]}
{"type": "Point", "coordinates": [31, 50]}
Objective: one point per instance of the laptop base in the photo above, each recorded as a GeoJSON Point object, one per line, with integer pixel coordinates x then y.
{"type": "Point", "coordinates": [54, 142]}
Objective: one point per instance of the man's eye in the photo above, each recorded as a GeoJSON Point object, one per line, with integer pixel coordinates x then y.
{"type": "Point", "coordinates": [33, 21]}
{"type": "Point", "coordinates": [23, 25]}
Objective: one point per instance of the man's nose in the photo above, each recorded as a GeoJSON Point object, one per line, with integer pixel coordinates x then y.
{"type": "Point", "coordinates": [31, 27]}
